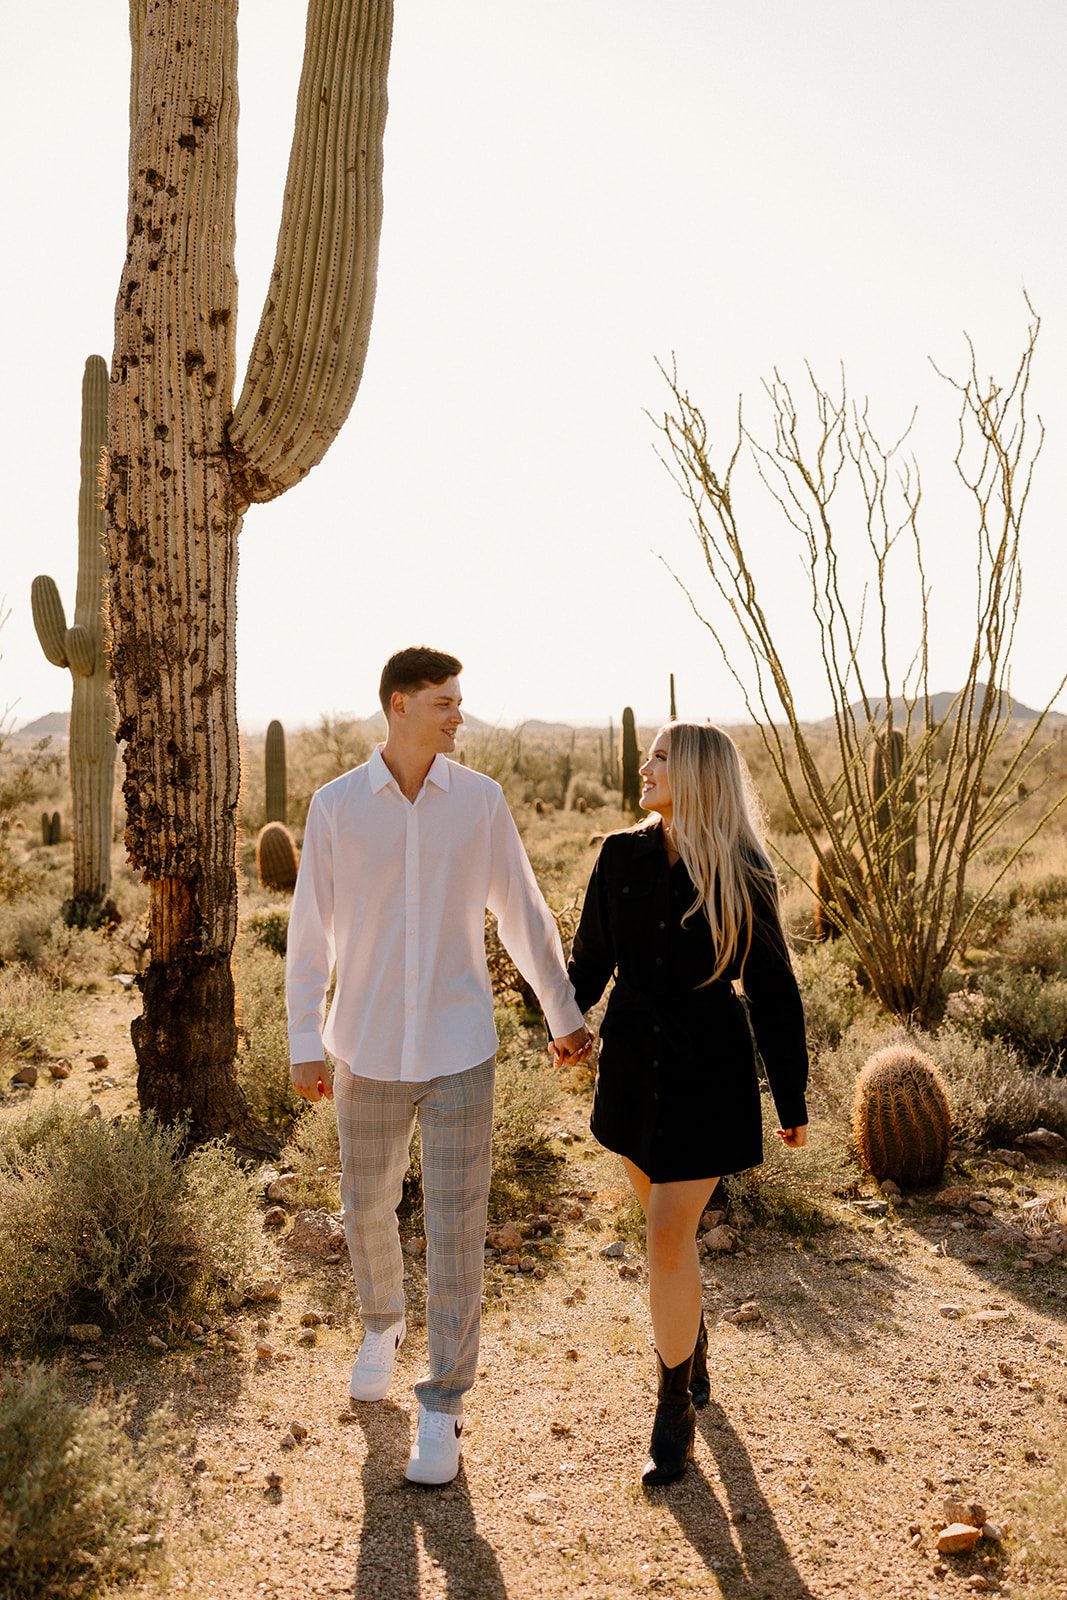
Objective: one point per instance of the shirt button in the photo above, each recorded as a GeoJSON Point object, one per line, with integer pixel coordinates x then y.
{"type": "Point", "coordinates": [656, 1064]}
{"type": "Point", "coordinates": [663, 924]}
{"type": "Point", "coordinates": [655, 1027]}
{"type": "Point", "coordinates": [659, 961]}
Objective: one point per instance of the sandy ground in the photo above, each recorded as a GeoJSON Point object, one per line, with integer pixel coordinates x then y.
{"type": "Point", "coordinates": [839, 1419]}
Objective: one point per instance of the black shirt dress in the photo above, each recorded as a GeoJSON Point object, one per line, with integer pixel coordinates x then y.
{"type": "Point", "coordinates": [677, 1089]}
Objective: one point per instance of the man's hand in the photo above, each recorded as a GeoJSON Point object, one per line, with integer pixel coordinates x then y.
{"type": "Point", "coordinates": [794, 1137]}
{"type": "Point", "coordinates": [572, 1049]}
{"type": "Point", "coordinates": [312, 1080]}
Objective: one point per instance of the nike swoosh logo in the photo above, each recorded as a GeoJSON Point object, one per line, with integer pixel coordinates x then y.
{"type": "Point", "coordinates": [459, 1429]}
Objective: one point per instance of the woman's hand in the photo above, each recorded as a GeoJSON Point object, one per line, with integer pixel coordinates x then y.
{"type": "Point", "coordinates": [572, 1049]}
{"type": "Point", "coordinates": [794, 1137]}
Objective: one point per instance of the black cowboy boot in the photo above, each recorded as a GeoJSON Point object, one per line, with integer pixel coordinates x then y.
{"type": "Point", "coordinates": [675, 1424]}
{"type": "Point", "coordinates": [700, 1383]}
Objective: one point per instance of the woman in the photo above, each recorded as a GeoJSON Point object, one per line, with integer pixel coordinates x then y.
{"type": "Point", "coordinates": [682, 908]}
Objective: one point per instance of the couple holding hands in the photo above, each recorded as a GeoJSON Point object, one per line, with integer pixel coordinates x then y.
{"type": "Point", "coordinates": [401, 858]}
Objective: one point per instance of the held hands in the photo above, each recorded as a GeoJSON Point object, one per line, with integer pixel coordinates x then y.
{"type": "Point", "coordinates": [572, 1049]}
{"type": "Point", "coordinates": [794, 1137]}
{"type": "Point", "coordinates": [312, 1080]}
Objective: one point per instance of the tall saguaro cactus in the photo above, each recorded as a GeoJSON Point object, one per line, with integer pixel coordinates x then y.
{"type": "Point", "coordinates": [82, 648]}
{"type": "Point", "coordinates": [186, 462]}
{"type": "Point", "coordinates": [275, 772]}
{"type": "Point", "coordinates": [630, 763]}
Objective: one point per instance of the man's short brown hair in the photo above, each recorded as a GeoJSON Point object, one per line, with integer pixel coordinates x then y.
{"type": "Point", "coordinates": [414, 668]}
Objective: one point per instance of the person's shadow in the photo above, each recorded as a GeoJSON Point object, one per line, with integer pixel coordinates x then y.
{"type": "Point", "coordinates": [395, 1510]}
{"type": "Point", "coordinates": [763, 1568]}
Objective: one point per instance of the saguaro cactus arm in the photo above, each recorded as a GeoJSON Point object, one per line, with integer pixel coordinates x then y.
{"type": "Point", "coordinates": [49, 619]}
{"type": "Point", "coordinates": [308, 355]}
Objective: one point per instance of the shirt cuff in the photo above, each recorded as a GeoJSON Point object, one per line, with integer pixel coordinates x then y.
{"type": "Point", "coordinates": [562, 1019]}
{"type": "Point", "coordinates": [305, 1047]}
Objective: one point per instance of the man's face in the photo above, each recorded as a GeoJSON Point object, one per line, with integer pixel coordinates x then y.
{"type": "Point", "coordinates": [431, 716]}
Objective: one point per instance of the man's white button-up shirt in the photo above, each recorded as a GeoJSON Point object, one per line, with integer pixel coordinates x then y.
{"type": "Point", "coordinates": [392, 894]}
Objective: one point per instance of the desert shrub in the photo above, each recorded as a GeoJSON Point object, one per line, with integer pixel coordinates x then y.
{"type": "Point", "coordinates": [263, 1052]}
{"type": "Point", "coordinates": [79, 1502]}
{"type": "Point", "coordinates": [1034, 944]}
{"type": "Point", "coordinates": [1040, 1525]}
{"type": "Point", "coordinates": [31, 1013]}
{"type": "Point", "coordinates": [107, 1215]}
{"type": "Point", "coordinates": [1025, 1010]}
{"type": "Point", "coordinates": [995, 1096]}
{"type": "Point", "coordinates": [832, 997]}
{"type": "Point", "coordinates": [269, 927]}
{"type": "Point", "coordinates": [69, 957]}
{"type": "Point", "coordinates": [314, 1154]}
{"type": "Point", "coordinates": [793, 1189]}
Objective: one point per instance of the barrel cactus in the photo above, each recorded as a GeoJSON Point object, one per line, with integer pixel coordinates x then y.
{"type": "Point", "coordinates": [901, 1121]}
{"type": "Point", "coordinates": [83, 649]}
{"type": "Point", "coordinates": [276, 858]}
{"type": "Point", "coordinates": [630, 763]}
{"type": "Point", "coordinates": [275, 774]}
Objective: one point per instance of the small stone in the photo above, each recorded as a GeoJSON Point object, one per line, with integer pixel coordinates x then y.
{"type": "Point", "coordinates": [507, 1237]}
{"type": "Point", "coordinates": [274, 1480]}
{"type": "Point", "coordinates": [298, 1430]}
{"type": "Point", "coordinates": [92, 1114]}
{"type": "Point", "coordinates": [415, 1247]}
{"type": "Point", "coordinates": [60, 1069]}
{"type": "Point", "coordinates": [979, 1584]}
{"type": "Point", "coordinates": [26, 1075]}
{"type": "Point", "coordinates": [721, 1238]}
{"type": "Point", "coordinates": [981, 1208]}
{"type": "Point", "coordinates": [98, 1366]}
{"type": "Point", "coordinates": [84, 1332]}
{"type": "Point", "coordinates": [969, 1512]}
{"type": "Point", "coordinates": [232, 1346]}
{"type": "Point", "coordinates": [307, 1336]}
{"type": "Point", "coordinates": [873, 1208]}
{"type": "Point", "coordinates": [265, 1351]}
{"type": "Point", "coordinates": [919, 1409]}
{"type": "Point", "coordinates": [956, 1195]}
{"type": "Point", "coordinates": [749, 1312]}
{"type": "Point", "coordinates": [570, 1355]}
{"type": "Point", "coordinates": [282, 1186]}
{"type": "Point", "coordinates": [994, 1532]}
{"type": "Point", "coordinates": [614, 1249]}
{"type": "Point", "coordinates": [316, 1233]}
{"type": "Point", "coordinates": [951, 1309]}
{"type": "Point", "coordinates": [99, 1061]}
{"type": "Point", "coordinates": [586, 1194]}
{"type": "Point", "coordinates": [541, 1271]}
{"type": "Point", "coordinates": [990, 1316]}
{"type": "Point", "coordinates": [275, 1217]}
{"type": "Point", "coordinates": [286, 1442]}
{"type": "Point", "coordinates": [310, 1319]}
{"type": "Point", "coordinates": [889, 1189]}
{"type": "Point", "coordinates": [1043, 1142]}
{"type": "Point", "coordinates": [528, 1263]}
{"type": "Point", "coordinates": [629, 1269]}
{"type": "Point", "coordinates": [199, 1465]}
{"type": "Point", "coordinates": [594, 1224]}
{"type": "Point", "coordinates": [264, 1289]}
{"type": "Point", "coordinates": [156, 1342]}
{"type": "Point", "coordinates": [957, 1538]}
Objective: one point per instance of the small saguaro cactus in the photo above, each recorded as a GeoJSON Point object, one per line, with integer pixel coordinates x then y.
{"type": "Point", "coordinates": [276, 858]}
{"type": "Point", "coordinates": [896, 811]}
{"type": "Point", "coordinates": [51, 827]}
{"type": "Point", "coordinates": [630, 761]}
{"type": "Point", "coordinates": [901, 1120]}
{"type": "Point", "coordinates": [674, 708]}
{"type": "Point", "coordinates": [835, 884]}
{"type": "Point", "coordinates": [275, 774]}
{"type": "Point", "coordinates": [82, 648]}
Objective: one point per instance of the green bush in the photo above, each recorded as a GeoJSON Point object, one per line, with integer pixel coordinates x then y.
{"type": "Point", "coordinates": [1025, 1010]}
{"type": "Point", "coordinates": [832, 997]}
{"type": "Point", "coordinates": [107, 1215]}
{"type": "Point", "coordinates": [995, 1096]}
{"type": "Point", "coordinates": [793, 1189]}
{"type": "Point", "coordinates": [269, 927]}
{"type": "Point", "coordinates": [31, 1013]}
{"type": "Point", "coordinates": [314, 1154]}
{"type": "Point", "coordinates": [79, 1503]}
{"type": "Point", "coordinates": [1034, 944]}
{"type": "Point", "coordinates": [263, 1052]}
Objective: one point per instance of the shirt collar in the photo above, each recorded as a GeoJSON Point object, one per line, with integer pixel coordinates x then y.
{"type": "Point", "coordinates": [380, 776]}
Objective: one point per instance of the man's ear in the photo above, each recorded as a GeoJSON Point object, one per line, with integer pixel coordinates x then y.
{"type": "Point", "coordinates": [397, 703]}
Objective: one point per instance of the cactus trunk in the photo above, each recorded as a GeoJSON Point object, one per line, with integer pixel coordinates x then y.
{"type": "Point", "coordinates": [275, 775]}
{"type": "Point", "coordinates": [179, 483]}
{"type": "Point", "coordinates": [630, 761]}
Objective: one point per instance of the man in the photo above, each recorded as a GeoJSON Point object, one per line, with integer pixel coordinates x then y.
{"type": "Point", "coordinates": [401, 857]}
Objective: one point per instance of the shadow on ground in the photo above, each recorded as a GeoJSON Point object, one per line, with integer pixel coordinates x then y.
{"type": "Point", "coordinates": [396, 1513]}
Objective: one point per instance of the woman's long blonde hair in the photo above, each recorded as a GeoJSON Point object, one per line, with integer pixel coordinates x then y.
{"type": "Point", "coordinates": [718, 828]}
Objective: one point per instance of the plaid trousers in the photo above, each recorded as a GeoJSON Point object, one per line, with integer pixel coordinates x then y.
{"type": "Point", "coordinates": [375, 1121]}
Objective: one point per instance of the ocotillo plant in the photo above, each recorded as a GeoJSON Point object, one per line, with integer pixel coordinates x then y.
{"type": "Point", "coordinates": [896, 808]}
{"type": "Point", "coordinates": [82, 648]}
{"type": "Point", "coordinates": [186, 461]}
{"type": "Point", "coordinates": [275, 774]}
{"type": "Point", "coordinates": [629, 762]}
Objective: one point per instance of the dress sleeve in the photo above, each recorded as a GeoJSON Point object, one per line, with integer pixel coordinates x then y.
{"type": "Point", "coordinates": [593, 953]}
{"type": "Point", "coordinates": [777, 1014]}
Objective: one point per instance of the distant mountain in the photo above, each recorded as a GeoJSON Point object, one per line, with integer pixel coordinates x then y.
{"type": "Point", "coordinates": [940, 707]}
{"type": "Point", "coordinates": [54, 722]}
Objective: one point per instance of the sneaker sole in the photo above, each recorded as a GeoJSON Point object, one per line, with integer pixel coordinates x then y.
{"type": "Point", "coordinates": [428, 1477]}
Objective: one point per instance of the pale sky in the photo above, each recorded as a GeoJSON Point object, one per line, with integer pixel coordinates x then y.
{"type": "Point", "coordinates": [573, 190]}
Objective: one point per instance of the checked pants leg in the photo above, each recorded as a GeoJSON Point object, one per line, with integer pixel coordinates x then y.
{"type": "Point", "coordinates": [375, 1122]}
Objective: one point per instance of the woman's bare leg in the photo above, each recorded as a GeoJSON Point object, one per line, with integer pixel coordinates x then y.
{"type": "Point", "coordinates": [672, 1211]}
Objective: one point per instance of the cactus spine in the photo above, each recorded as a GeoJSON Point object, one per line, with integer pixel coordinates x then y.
{"type": "Point", "coordinates": [275, 775]}
{"type": "Point", "coordinates": [901, 1119]}
{"type": "Point", "coordinates": [186, 461]}
{"type": "Point", "coordinates": [82, 648]}
{"type": "Point", "coordinates": [276, 858]}
{"type": "Point", "coordinates": [896, 811]}
{"type": "Point", "coordinates": [629, 763]}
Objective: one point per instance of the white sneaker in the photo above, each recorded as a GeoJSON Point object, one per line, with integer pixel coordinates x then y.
{"type": "Point", "coordinates": [372, 1370]}
{"type": "Point", "coordinates": [435, 1454]}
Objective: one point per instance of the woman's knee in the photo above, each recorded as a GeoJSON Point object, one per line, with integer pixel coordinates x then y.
{"type": "Point", "coordinates": [669, 1239]}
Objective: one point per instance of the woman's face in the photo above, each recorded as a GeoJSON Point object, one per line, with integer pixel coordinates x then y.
{"type": "Point", "coordinates": [655, 789]}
